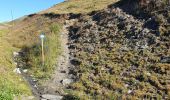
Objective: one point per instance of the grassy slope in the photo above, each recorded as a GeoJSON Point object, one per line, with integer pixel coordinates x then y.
{"type": "Point", "coordinates": [79, 6]}
{"type": "Point", "coordinates": [26, 37]}
{"type": "Point", "coordinates": [10, 83]}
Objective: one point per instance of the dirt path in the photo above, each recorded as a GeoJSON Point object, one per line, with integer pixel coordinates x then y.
{"type": "Point", "coordinates": [61, 77]}
{"type": "Point", "coordinates": [55, 84]}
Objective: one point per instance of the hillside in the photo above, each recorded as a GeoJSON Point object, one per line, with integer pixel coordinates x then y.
{"type": "Point", "coordinates": [21, 36]}
{"type": "Point", "coordinates": [121, 56]}
{"type": "Point", "coordinates": [94, 49]}
{"type": "Point", "coordinates": [79, 6]}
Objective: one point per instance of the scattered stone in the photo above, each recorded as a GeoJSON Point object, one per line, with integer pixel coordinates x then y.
{"type": "Point", "coordinates": [15, 54]}
{"type": "Point", "coordinates": [35, 86]}
{"type": "Point", "coordinates": [75, 62]}
{"type": "Point", "coordinates": [25, 70]}
{"type": "Point", "coordinates": [126, 85]}
{"type": "Point", "coordinates": [129, 91]}
{"type": "Point", "coordinates": [52, 97]}
{"type": "Point", "coordinates": [17, 70]}
{"type": "Point", "coordinates": [66, 81]}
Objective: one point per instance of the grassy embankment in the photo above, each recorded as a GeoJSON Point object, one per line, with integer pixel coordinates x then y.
{"type": "Point", "coordinates": [27, 39]}
{"type": "Point", "coordinates": [11, 84]}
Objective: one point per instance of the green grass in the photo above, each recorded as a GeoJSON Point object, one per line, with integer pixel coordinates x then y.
{"type": "Point", "coordinates": [52, 49]}
{"type": "Point", "coordinates": [11, 84]}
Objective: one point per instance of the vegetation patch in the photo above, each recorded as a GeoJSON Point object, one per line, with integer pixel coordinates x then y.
{"type": "Point", "coordinates": [52, 49]}
{"type": "Point", "coordinates": [11, 84]}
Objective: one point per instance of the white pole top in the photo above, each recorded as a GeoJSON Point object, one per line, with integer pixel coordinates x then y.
{"type": "Point", "coordinates": [42, 36]}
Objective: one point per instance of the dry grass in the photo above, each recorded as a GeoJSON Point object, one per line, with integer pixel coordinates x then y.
{"type": "Point", "coordinates": [79, 6]}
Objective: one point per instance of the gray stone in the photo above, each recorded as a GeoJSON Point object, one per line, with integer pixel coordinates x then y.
{"type": "Point", "coordinates": [67, 81]}
{"type": "Point", "coordinates": [165, 59]}
{"type": "Point", "coordinates": [52, 97]}
{"type": "Point", "coordinates": [17, 70]}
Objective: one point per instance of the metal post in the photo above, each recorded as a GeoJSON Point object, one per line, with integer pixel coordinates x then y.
{"type": "Point", "coordinates": [42, 36]}
{"type": "Point", "coordinates": [42, 47]}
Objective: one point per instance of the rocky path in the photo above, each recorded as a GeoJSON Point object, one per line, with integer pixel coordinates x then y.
{"type": "Point", "coordinates": [60, 77]}
{"type": "Point", "coordinates": [55, 87]}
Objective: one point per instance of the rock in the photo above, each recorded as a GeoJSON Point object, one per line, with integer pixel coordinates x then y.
{"type": "Point", "coordinates": [126, 85]}
{"type": "Point", "coordinates": [75, 62]}
{"type": "Point", "coordinates": [66, 81]}
{"type": "Point", "coordinates": [165, 59]}
{"type": "Point", "coordinates": [63, 71]}
{"type": "Point", "coordinates": [51, 97]}
{"type": "Point", "coordinates": [129, 91]}
{"type": "Point", "coordinates": [35, 86]}
{"type": "Point", "coordinates": [17, 70]}
{"type": "Point", "coordinates": [15, 54]}
{"type": "Point", "coordinates": [25, 70]}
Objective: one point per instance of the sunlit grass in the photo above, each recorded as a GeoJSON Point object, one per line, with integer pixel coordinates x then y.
{"type": "Point", "coordinates": [11, 84]}
{"type": "Point", "coordinates": [79, 6]}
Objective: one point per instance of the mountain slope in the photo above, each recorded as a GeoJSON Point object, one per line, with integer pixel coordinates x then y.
{"type": "Point", "coordinates": [119, 52]}
{"type": "Point", "coordinates": [122, 56]}
{"type": "Point", "coordinates": [116, 57]}
{"type": "Point", "coordinates": [79, 6]}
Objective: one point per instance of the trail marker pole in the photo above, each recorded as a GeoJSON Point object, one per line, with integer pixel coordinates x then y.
{"type": "Point", "coordinates": [42, 36]}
